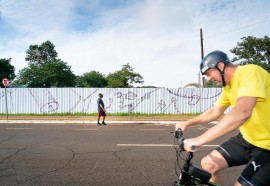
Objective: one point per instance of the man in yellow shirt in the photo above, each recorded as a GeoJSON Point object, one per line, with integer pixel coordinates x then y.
{"type": "Point", "coordinates": [247, 90]}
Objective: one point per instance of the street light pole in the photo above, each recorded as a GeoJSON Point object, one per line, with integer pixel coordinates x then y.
{"type": "Point", "coordinates": [202, 56]}
{"type": "Point", "coordinates": [202, 51]}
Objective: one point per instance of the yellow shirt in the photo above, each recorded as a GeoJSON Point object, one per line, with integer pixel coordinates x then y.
{"type": "Point", "coordinates": [252, 81]}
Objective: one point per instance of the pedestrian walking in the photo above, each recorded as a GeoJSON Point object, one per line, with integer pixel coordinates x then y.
{"type": "Point", "coordinates": [101, 110]}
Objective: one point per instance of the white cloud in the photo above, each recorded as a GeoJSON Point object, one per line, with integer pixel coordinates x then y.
{"type": "Point", "coordinates": [160, 38]}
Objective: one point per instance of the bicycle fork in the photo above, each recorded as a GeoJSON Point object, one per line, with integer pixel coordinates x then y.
{"type": "Point", "coordinates": [184, 178]}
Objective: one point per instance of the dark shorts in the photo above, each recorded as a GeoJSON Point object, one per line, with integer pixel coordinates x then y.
{"type": "Point", "coordinates": [101, 113]}
{"type": "Point", "coordinates": [237, 151]}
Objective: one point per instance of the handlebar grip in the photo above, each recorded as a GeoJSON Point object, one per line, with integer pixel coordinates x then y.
{"type": "Point", "coordinates": [193, 148]}
{"type": "Point", "coordinates": [179, 135]}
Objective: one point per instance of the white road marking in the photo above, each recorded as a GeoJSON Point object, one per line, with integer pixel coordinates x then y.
{"type": "Point", "coordinates": [203, 128]}
{"type": "Point", "coordinates": [19, 128]}
{"type": "Point", "coordinates": [145, 145]}
{"type": "Point", "coordinates": [152, 129]}
{"type": "Point", "coordinates": [156, 145]}
{"type": "Point", "coordinates": [84, 129]}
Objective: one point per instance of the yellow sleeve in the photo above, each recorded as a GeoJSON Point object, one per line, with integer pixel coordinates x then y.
{"type": "Point", "coordinates": [252, 85]}
{"type": "Point", "coordinates": [223, 100]}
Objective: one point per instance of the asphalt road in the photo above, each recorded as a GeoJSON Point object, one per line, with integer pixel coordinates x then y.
{"type": "Point", "coordinates": [85, 154]}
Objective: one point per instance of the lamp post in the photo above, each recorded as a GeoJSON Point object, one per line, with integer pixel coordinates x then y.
{"type": "Point", "coordinates": [6, 83]}
{"type": "Point", "coordinates": [202, 56]}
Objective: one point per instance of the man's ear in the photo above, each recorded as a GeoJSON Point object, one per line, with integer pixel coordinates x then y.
{"type": "Point", "coordinates": [220, 65]}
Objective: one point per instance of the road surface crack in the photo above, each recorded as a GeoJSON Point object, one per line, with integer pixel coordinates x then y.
{"type": "Point", "coordinates": [54, 170]}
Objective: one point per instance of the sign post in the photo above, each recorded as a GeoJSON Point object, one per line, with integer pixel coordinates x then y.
{"type": "Point", "coordinates": [5, 82]}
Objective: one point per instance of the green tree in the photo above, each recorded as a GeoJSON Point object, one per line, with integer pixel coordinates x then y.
{"type": "Point", "coordinates": [54, 73]}
{"type": "Point", "coordinates": [93, 79]}
{"type": "Point", "coordinates": [124, 78]}
{"type": "Point", "coordinates": [44, 69]}
{"type": "Point", "coordinates": [58, 74]}
{"type": "Point", "coordinates": [253, 50]}
{"type": "Point", "coordinates": [6, 70]}
{"type": "Point", "coordinates": [38, 55]}
{"type": "Point", "coordinates": [79, 82]}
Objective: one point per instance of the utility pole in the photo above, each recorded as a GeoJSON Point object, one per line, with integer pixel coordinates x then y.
{"type": "Point", "coordinates": [202, 52]}
{"type": "Point", "coordinates": [202, 56]}
{"type": "Point", "coordinates": [200, 78]}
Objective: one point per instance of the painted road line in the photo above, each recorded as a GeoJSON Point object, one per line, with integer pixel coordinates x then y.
{"type": "Point", "coordinates": [156, 145]}
{"type": "Point", "coordinates": [19, 128]}
{"type": "Point", "coordinates": [152, 129]}
{"type": "Point", "coordinates": [203, 128]}
{"type": "Point", "coordinates": [145, 145]}
{"type": "Point", "coordinates": [84, 129]}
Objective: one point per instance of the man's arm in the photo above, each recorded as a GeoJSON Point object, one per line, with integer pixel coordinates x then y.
{"type": "Point", "coordinates": [102, 107]}
{"type": "Point", "coordinates": [210, 115]}
{"type": "Point", "coordinates": [232, 121]}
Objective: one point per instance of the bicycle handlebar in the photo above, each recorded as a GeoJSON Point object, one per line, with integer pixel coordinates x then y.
{"type": "Point", "coordinates": [179, 135]}
{"type": "Point", "coordinates": [189, 173]}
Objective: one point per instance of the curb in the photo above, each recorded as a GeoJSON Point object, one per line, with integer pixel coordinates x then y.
{"type": "Point", "coordinates": [83, 122]}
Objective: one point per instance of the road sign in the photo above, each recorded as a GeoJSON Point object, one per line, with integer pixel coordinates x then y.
{"type": "Point", "coordinates": [5, 82]}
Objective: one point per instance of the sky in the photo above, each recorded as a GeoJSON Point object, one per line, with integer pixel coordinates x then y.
{"type": "Point", "coordinates": [160, 39]}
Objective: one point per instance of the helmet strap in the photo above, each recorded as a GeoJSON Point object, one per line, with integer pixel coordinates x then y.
{"type": "Point", "coordinates": [222, 75]}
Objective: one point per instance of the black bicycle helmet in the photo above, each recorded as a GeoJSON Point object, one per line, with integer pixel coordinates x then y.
{"type": "Point", "coordinates": [211, 61]}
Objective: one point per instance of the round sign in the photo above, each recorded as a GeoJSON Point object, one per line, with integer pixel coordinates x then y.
{"type": "Point", "coordinates": [5, 82]}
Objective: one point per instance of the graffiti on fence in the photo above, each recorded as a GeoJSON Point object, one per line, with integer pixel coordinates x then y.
{"type": "Point", "coordinates": [9, 93]}
{"type": "Point", "coordinates": [133, 100]}
{"type": "Point", "coordinates": [46, 102]}
{"type": "Point", "coordinates": [82, 102]}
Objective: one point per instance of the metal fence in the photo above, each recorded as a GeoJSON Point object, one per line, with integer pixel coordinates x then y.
{"type": "Point", "coordinates": [116, 100]}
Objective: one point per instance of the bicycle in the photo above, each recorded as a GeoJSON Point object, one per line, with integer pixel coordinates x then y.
{"type": "Point", "coordinates": [190, 174]}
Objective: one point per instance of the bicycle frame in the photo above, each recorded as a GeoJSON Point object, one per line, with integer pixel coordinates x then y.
{"type": "Point", "coordinates": [190, 174]}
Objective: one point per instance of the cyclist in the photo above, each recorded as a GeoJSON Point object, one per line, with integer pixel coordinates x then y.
{"type": "Point", "coordinates": [247, 90]}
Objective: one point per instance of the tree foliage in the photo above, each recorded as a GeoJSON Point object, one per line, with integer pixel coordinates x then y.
{"type": "Point", "coordinates": [52, 74]}
{"type": "Point", "coordinates": [93, 79]}
{"type": "Point", "coordinates": [38, 55]}
{"type": "Point", "coordinates": [6, 70]}
{"type": "Point", "coordinates": [44, 69]}
{"type": "Point", "coordinates": [124, 78]}
{"type": "Point", "coordinates": [253, 50]}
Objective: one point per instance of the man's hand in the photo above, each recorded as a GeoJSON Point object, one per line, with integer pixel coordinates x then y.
{"type": "Point", "coordinates": [181, 125]}
{"type": "Point", "coordinates": [191, 144]}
